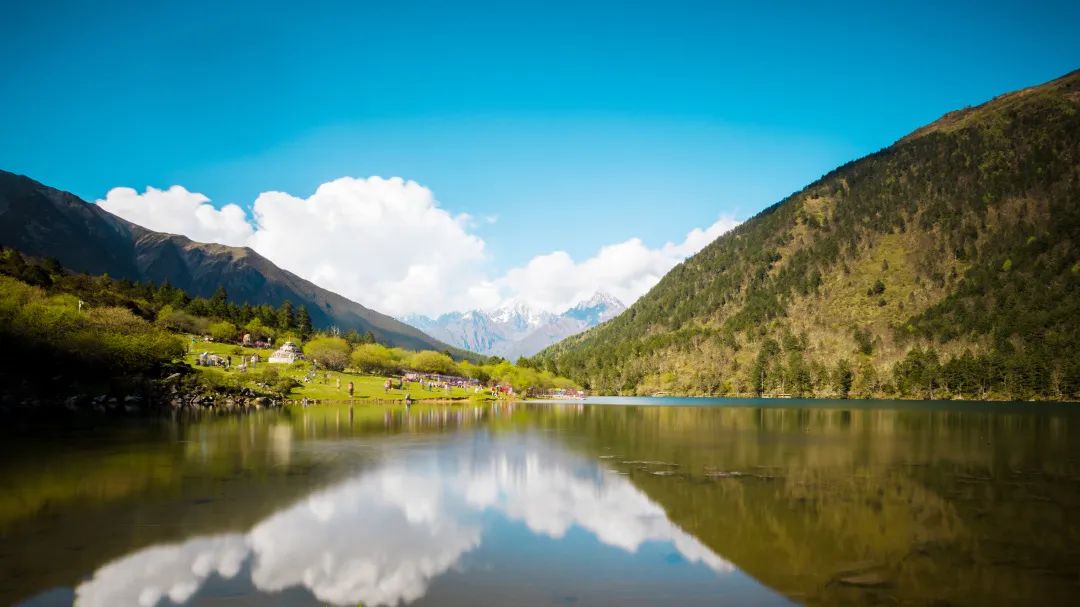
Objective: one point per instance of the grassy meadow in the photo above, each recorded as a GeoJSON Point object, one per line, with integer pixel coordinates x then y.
{"type": "Point", "coordinates": [324, 385]}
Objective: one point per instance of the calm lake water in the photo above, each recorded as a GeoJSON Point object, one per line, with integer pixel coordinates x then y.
{"type": "Point", "coordinates": [656, 502]}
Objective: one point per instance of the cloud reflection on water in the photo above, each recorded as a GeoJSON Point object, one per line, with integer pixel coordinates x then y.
{"type": "Point", "coordinates": [382, 537]}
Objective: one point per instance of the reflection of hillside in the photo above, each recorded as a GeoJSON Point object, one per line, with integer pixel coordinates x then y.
{"type": "Point", "coordinates": [89, 497]}
{"type": "Point", "coordinates": [834, 506]}
{"type": "Point", "coordinates": [123, 461]}
{"type": "Point", "coordinates": [62, 477]}
{"type": "Point", "coordinates": [799, 536]}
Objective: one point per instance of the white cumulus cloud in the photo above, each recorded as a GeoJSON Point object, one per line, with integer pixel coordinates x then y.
{"type": "Point", "coordinates": [178, 211]}
{"type": "Point", "coordinates": [383, 242]}
{"type": "Point", "coordinates": [388, 244]}
{"type": "Point", "coordinates": [626, 270]}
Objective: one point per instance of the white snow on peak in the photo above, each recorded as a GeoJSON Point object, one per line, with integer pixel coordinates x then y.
{"type": "Point", "coordinates": [600, 298]}
{"type": "Point", "coordinates": [520, 313]}
{"type": "Point", "coordinates": [515, 327]}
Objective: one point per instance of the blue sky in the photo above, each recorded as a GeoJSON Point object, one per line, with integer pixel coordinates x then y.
{"type": "Point", "coordinates": [576, 124]}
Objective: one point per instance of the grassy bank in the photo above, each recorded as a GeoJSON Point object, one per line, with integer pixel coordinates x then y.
{"type": "Point", "coordinates": [324, 386]}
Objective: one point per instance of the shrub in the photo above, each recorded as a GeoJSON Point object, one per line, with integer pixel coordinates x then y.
{"type": "Point", "coordinates": [331, 352]}
{"type": "Point", "coordinates": [476, 372]}
{"type": "Point", "coordinates": [284, 385]}
{"type": "Point", "coordinates": [374, 358]}
{"type": "Point", "coordinates": [429, 361]}
{"type": "Point", "coordinates": [107, 337]}
{"type": "Point", "coordinates": [181, 321]}
{"type": "Point", "coordinates": [268, 374]}
{"type": "Point", "coordinates": [259, 331]}
{"type": "Point", "coordinates": [223, 331]}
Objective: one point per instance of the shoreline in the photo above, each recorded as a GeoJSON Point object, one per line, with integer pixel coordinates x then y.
{"type": "Point", "coordinates": [175, 399]}
{"type": "Point", "coordinates": [396, 401]}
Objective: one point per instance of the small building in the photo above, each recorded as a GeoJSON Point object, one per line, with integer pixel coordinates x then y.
{"type": "Point", "coordinates": [287, 354]}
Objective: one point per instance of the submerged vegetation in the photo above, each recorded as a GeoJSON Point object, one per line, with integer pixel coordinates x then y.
{"type": "Point", "coordinates": [946, 265]}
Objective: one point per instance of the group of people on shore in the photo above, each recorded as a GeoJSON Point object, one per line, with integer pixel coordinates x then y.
{"type": "Point", "coordinates": [206, 359]}
{"type": "Point", "coordinates": [434, 382]}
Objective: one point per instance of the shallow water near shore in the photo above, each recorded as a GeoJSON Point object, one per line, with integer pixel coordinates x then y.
{"type": "Point", "coordinates": [606, 502]}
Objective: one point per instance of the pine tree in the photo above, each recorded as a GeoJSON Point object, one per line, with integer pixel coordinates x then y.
{"type": "Point", "coordinates": [219, 303]}
{"type": "Point", "coordinates": [303, 322]}
{"type": "Point", "coordinates": [842, 377]}
{"type": "Point", "coordinates": [759, 373]}
{"type": "Point", "coordinates": [285, 317]}
{"type": "Point", "coordinates": [247, 312]}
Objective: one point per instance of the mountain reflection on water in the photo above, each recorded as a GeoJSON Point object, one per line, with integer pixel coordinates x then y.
{"type": "Point", "coordinates": [381, 537]}
{"type": "Point", "coordinates": [734, 502]}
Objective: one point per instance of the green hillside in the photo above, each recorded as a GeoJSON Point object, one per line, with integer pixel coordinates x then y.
{"type": "Point", "coordinates": [98, 343]}
{"type": "Point", "coordinates": [44, 222]}
{"type": "Point", "coordinates": [946, 265]}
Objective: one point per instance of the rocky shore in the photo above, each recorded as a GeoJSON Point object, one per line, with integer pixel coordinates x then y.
{"type": "Point", "coordinates": [180, 390]}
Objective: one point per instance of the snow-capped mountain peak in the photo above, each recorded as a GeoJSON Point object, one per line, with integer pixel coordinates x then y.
{"type": "Point", "coordinates": [600, 298]}
{"type": "Point", "coordinates": [516, 328]}
{"type": "Point", "coordinates": [599, 308]}
{"type": "Point", "coordinates": [519, 314]}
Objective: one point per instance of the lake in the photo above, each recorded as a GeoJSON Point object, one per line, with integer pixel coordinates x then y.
{"type": "Point", "coordinates": [607, 502]}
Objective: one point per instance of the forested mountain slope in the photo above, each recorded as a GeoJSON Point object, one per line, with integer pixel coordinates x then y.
{"type": "Point", "coordinates": [45, 222]}
{"type": "Point", "coordinates": [947, 264]}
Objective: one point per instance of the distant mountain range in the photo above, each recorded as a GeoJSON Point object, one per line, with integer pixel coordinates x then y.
{"type": "Point", "coordinates": [516, 329]}
{"type": "Point", "coordinates": [46, 222]}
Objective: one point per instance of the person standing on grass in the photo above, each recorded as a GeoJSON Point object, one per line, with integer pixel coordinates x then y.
{"type": "Point", "coordinates": [350, 389]}
{"type": "Point", "coordinates": [339, 383]}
